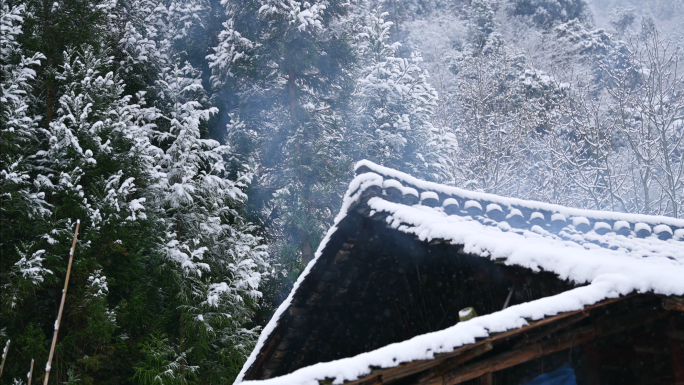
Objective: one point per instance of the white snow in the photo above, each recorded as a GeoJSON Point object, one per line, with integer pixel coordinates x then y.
{"type": "Point", "coordinates": [475, 204]}
{"type": "Point", "coordinates": [642, 226]}
{"type": "Point", "coordinates": [576, 221]}
{"type": "Point", "coordinates": [558, 217]}
{"type": "Point", "coordinates": [514, 213]}
{"type": "Point", "coordinates": [537, 214]}
{"type": "Point", "coordinates": [450, 202]}
{"type": "Point", "coordinates": [679, 234]}
{"type": "Point", "coordinates": [634, 265]}
{"type": "Point", "coordinates": [662, 229]}
{"type": "Point", "coordinates": [601, 225]}
{"type": "Point", "coordinates": [509, 202]}
{"type": "Point", "coordinates": [493, 207]}
{"type": "Point", "coordinates": [620, 225]}
{"type": "Point", "coordinates": [429, 195]}
{"type": "Point", "coordinates": [410, 191]}
{"type": "Point", "coordinates": [392, 183]}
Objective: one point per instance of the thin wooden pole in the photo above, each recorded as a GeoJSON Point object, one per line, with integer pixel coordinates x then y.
{"type": "Point", "coordinates": [4, 357]}
{"type": "Point", "coordinates": [30, 375]}
{"type": "Point", "coordinates": [61, 305]}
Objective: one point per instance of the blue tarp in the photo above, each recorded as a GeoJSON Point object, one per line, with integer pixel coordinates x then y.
{"type": "Point", "coordinates": [564, 375]}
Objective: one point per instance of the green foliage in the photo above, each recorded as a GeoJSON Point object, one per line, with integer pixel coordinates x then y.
{"type": "Point", "coordinates": [81, 143]}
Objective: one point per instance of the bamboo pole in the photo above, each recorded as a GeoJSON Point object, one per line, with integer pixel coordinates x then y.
{"type": "Point", "coordinates": [4, 357]}
{"type": "Point", "coordinates": [30, 375]}
{"type": "Point", "coordinates": [61, 305]}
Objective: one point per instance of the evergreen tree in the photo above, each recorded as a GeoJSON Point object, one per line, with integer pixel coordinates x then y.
{"type": "Point", "coordinates": [393, 106]}
{"type": "Point", "coordinates": [22, 195]}
{"type": "Point", "coordinates": [211, 262]}
{"type": "Point", "coordinates": [132, 173]}
{"type": "Point", "coordinates": [98, 161]}
{"type": "Point", "coordinates": [292, 101]}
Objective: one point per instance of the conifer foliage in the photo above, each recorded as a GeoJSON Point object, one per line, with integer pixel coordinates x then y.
{"type": "Point", "coordinates": [289, 108]}
{"type": "Point", "coordinates": [167, 269]}
{"type": "Point", "coordinates": [394, 104]}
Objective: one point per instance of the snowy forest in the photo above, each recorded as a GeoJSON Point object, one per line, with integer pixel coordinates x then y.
{"type": "Point", "coordinates": [205, 146]}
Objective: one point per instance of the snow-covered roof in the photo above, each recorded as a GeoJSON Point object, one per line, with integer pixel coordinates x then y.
{"type": "Point", "coordinates": [609, 254]}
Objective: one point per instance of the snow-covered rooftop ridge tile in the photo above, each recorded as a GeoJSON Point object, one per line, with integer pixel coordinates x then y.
{"type": "Point", "coordinates": [410, 181]}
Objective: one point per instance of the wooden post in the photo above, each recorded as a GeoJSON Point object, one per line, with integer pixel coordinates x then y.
{"type": "Point", "coordinates": [676, 351]}
{"type": "Point", "coordinates": [30, 375]}
{"type": "Point", "coordinates": [61, 305]}
{"type": "Point", "coordinates": [487, 379]}
{"type": "Point", "coordinates": [4, 357]}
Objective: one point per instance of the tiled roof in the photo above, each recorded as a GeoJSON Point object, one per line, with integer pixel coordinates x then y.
{"type": "Point", "coordinates": [633, 234]}
{"type": "Point", "coordinates": [607, 254]}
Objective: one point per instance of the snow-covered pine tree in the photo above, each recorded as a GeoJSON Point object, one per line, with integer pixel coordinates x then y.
{"type": "Point", "coordinates": [293, 83]}
{"type": "Point", "coordinates": [213, 262]}
{"type": "Point", "coordinates": [22, 195]}
{"type": "Point", "coordinates": [98, 159]}
{"type": "Point", "coordinates": [393, 104]}
{"type": "Point", "coordinates": [208, 256]}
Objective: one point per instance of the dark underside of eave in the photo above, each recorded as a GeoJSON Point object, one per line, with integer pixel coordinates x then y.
{"type": "Point", "coordinates": [374, 285]}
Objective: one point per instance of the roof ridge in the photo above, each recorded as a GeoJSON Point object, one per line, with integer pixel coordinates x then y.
{"type": "Point", "coordinates": [445, 192]}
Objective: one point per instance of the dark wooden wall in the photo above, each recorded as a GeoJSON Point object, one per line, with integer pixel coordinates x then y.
{"type": "Point", "coordinates": [374, 285]}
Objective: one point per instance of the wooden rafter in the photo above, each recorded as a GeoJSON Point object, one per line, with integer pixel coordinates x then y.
{"type": "Point", "coordinates": [533, 351]}
{"type": "Point", "coordinates": [379, 375]}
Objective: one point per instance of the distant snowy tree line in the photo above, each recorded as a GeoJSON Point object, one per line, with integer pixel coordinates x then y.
{"type": "Point", "coordinates": [543, 105]}
{"type": "Point", "coordinates": [205, 146]}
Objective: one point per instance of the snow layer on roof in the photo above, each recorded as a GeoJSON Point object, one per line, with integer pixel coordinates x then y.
{"type": "Point", "coordinates": [620, 225]}
{"type": "Point", "coordinates": [642, 227]}
{"type": "Point", "coordinates": [558, 217]}
{"type": "Point", "coordinates": [610, 265]}
{"type": "Point", "coordinates": [493, 207]}
{"type": "Point", "coordinates": [662, 229]}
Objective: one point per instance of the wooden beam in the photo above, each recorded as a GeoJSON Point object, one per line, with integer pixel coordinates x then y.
{"type": "Point", "coordinates": [487, 379]}
{"type": "Point", "coordinates": [671, 304]}
{"type": "Point", "coordinates": [436, 375]}
{"type": "Point", "coordinates": [676, 350]}
{"type": "Point", "coordinates": [563, 342]}
{"type": "Point", "coordinates": [410, 368]}
{"type": "Point", "coordinates": [537, 336]}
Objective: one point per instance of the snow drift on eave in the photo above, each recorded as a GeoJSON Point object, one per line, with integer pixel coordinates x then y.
{"type": "Point", "coordinates": [609, 273]}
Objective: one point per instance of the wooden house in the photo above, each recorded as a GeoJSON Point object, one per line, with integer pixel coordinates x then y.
{"type": "Point", "coordinates": [419, 283]}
